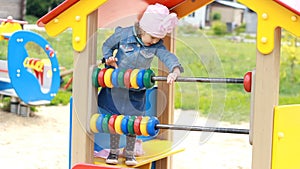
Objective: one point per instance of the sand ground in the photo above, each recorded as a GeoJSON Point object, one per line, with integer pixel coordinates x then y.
{"type": "Point", "coordinates": [42, 141]}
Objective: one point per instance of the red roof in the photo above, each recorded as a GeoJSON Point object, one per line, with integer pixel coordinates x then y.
{"type": "Point", "coordinates": [289, 5]}
{"type": "Point", "coordinates": [69, 3]}
{"type": "Point", "coordinates": [55, 12]}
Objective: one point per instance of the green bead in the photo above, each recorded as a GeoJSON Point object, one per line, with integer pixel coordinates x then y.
{"type": "Point", "coordinates": [95, 77]}
{"type": "Point", "coordinates": [121, 78]}
{"type": "Point", "coordinates": [130, 125]}
{"type": "Point", "coordinates": [147, 79]}
{"type": "Point", "coordinates": [105, 123]}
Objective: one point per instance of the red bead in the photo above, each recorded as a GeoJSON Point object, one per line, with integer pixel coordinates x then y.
{"type": "Point", "coordinates": [101, 77]}
{"type": "Point", "coordinates": [127, 78]}
{"type": "Point", "coordinates": [248, 81]}
{"type": "Point", "coordinates": [111, 124]}
{"type": "Point", "coordinates": [136, 126]}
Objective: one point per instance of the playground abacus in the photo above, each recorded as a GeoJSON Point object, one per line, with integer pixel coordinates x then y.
{"type": "Point", "coordinates": [145, 78]}
{"type": "Point", "coordinates": [145, 125]}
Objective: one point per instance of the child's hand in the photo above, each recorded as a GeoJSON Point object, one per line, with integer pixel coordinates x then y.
{"type": "Point", "coordinates": [173, 76]}
{"type": "Point", "coordinates": [111, 61]}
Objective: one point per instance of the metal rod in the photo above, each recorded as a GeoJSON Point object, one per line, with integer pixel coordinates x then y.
{"type": "Point", "coordinates": [201, 128]}
{"type": "Point", "coordinates": [201, 79]}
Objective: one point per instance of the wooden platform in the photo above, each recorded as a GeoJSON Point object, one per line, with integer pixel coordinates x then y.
{"type": "Point", "coordinates": [154, 150]}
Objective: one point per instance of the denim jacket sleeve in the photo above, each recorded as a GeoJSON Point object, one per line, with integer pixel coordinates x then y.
{"type": "Point", "coordinates": [111, 43]}
{"type": "Point", "coordinates": [168, 58]}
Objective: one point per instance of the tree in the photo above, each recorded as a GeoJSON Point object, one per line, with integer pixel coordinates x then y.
{"type": "Point", "coordinates": [39, 8]}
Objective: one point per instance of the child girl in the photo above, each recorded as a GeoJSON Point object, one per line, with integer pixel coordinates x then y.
{"type": "Point", "coordinates": [137, 45]}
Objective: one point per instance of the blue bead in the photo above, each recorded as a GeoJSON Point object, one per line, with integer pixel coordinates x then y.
{"type": "Point", "coordinates": [139, 78]}
{"type": "Point", "coordinates": [124, 124]}
{"type": "Point", "coordinates": [99, 123]}
{"type": "Point", "coordinates": [114, 77]}
{"type": "Point", "coordinates": [151, 126]}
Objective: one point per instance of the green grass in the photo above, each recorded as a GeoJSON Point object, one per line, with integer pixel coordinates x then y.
{"type": "Point", "coordinates": [220, 57]}
{"type": "Point", "coordinates": [214, 57]}
{"type": "Point", "coordinates": [201, 56]}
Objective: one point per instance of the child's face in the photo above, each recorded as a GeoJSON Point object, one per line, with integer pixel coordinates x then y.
{"type": "Point", "coordinates": [149, 40]}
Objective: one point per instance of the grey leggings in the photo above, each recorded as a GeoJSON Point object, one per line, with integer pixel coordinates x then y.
{"type": "Point", "coordinates": [130, 144]}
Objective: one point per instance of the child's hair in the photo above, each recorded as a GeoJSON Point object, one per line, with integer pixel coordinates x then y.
{"type": "Point", "coordinates": [138, 30]}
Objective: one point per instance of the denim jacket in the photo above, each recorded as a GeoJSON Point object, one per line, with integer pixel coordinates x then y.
{"type": "Point", "coordinates": [132, 54]}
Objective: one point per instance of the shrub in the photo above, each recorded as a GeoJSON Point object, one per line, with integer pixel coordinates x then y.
{"type": "Point", "coordinates": [240, 29]}
{"type": "Point", "coordinates": [61, 98]}
{"type": "Point", "coordinates": [219, 28]}
{"type": "Point", "coordinates": [216, 17]}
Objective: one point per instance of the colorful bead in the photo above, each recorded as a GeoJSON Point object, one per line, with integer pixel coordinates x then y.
{"type": "Point", "coordinates": [247, 81]}
{"type": "Point", "coordinates": [147, 80]}
{"type": "Point", "coordinates": [111, 124]}
{"type": "Point", "coordinates": [118, 122]}
{"type": "Point", "coordinates": [107, 78]}
{"type": "Point", "coordinates": [124, 124]}
{"type": "Point", "coordinates": [130, 125]}
{"type": "Point", "coordinates": [143, 126]}
{"type": "Point", "coordinates": [101, 77]}
{"type": "Point", "coordinates": [133, 80]}
{"type": "Point", "coordinates": [139, 78]}
{"type": "Point", "coordinates": [114, 77]}
{"type": "Point", "coordinates": [99, 123]}
{"type": "Point", "coordinates": [95, 77]}
{"type": "Point", "coordinates": [93, 123]}
{"type": "Point", "coordinates": [121, 78]}
{"type": "Point", "coordinates": [151, 126]}
{"type": "Point", "coordinates": [136, 126]}
{"type": "Point", "coordinates": [105, 123]}
{"type": "Point", "coordinates": [127, 78]}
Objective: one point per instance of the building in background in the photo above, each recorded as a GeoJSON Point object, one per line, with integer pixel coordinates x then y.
{"type": "Point", "coordinates": [232, 13]}
{"type": "Point", "coordinates": [14, 8]}
{"type": "Point", "coordinates": [251, 21]}
{"type": "Point", "coordinates": [196, 19]}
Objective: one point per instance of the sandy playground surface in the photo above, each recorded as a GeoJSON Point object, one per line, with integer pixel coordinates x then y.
{"type": "Point", "coordinates": [42, 141]}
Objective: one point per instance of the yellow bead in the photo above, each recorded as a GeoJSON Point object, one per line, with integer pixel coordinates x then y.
{"type": "Point", "coordinates": [93, 123]}
{"type": "Point", "coordinates": [133, 80]}
{"type": "Point", "coordinates": [143, 126]}
{"type": "Point", "coordinates": [107, 78]}
{"type": "Point", "coordinates": [118, 122]}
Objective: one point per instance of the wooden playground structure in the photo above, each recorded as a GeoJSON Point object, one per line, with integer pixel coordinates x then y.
{"type": "Point", "coordinates": [273, 128]}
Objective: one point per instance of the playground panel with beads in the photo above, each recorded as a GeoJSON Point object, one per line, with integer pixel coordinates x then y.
{"type": "Point", "coordinates": [37, 74]}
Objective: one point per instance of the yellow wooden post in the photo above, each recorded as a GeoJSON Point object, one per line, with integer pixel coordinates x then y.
{"type": "Point", "coordinates": [84, 96]}
{"type": "Point", "coordinates": [166, 92]}
{"type": "Point", "coordinates": [266, 94]}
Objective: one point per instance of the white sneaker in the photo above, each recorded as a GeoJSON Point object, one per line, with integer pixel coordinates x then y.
{"type": "Point", "coordinates": [130, 160]}
{"type": "Point", "coordinates": [112, 159]}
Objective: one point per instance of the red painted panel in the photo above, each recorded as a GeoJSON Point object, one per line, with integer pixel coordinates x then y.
{"type": "Point", "coordinates": [292, 5]}
{"type": "Point", "coordinates": [55, 12]}
{"type": "Point", "coordinates": [120, 13]}
{"type": "Point", "coordinates": [168, 3]}
{"type": "Point", "coordinates": [124, 13]}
